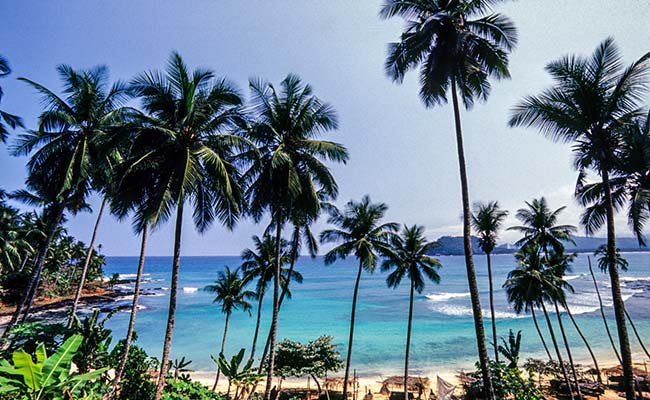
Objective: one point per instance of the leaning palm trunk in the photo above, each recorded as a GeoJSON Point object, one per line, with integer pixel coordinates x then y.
{"type": "Point", "coordinates": [602, 313]}
{"type": "Point", "coordinates": [494, 323]}
{"type": "Point", "coordinates": [84, 271]}
{"type": "Point", "coordinates": [539, 332]}
{"type": "Point", "coordinates": [351, 337]}
{"type": "Point", "coordinates": [30, 292]}
{"type": "Point", "coordinates": [223, 346]}
{"type": "Point", "coordinates": [276, 306]}
{"type": "Point", "coordinates": [171, 318]}
{"type": "Point", "coordinates": [568, 349]}
{"type": "Point", "coordinates": [408, 344]}
{"type": "Point", "coordinates": [469, 261]}
{"type": "Point", "coordinates": [557, 351]}
{"type": "Point", "coordinates": [584, 339]}
{"type": "Point", "coordinates": [285, 290]}
{"type": "Point", "coordinates": [617, 297]}
{"type": "Point", "coordinates": [134, 311]}
{"type": "Point", "coordinates": [636, 333]}
{"type": "Point", "coordinates": [257, 325]}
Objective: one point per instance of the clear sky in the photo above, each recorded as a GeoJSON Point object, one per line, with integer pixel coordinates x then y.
{"type": "Point", "coordinates": [401, 153]}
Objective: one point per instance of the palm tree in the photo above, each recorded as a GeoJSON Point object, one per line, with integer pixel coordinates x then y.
{"type": "Point", "coordinates": [230, 291]}
{"type": "Point", "coordinates": [288, 172]}
{"type": "Point", "coordinates": [66, 147]}
{"type": "Point", "coordinates": [592, 98]}
{"type": "Point", "coordinates": [487, 220]}
{"type": "Point", "coordinates": [359, 232]}
{"type": "Point", "coordinates": [530, 285]}
{"type": "Point", "coordinates": [408, 257]}
{"type": "Point", "coordinates": [539, 228]}
{"type": "Point", "coordinates": [301, 233]}
{"type": "Point", "coordinates": [260, 264]}
{"type": "Point", "coordinates": [181, 152]}
{"type": "Point", "coordinates": [457, 45]}
{"type": "Point", "coordinates": [9, 119]}
{"type": "Point", "coordinates": [72, 135]}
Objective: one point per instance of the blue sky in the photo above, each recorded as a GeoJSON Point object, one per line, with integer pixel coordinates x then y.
{"type": "Point", "coordinates": [401, 153]}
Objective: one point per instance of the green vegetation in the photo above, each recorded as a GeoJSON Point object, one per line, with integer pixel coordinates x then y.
{"type": "Point", "coordinates": [47, 377]}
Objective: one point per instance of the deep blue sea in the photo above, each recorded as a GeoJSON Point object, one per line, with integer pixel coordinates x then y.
{"type": "Point", "coordinates": [443, 333]}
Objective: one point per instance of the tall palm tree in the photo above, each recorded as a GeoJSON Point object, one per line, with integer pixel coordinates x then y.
{"type": "Point", "coordinates": [530, 285]}
{"type": "Point", "coordinates": [9, 119]}
{"type": "Point", "coordinates": [457, 45]}
{"type": "Point", "coordinates": [66, 147]}
{"type": "Point", "coordinates": [591, 99]}
{"type": "Point", "coordinates": [359, 232]}
{"type": "Point", "coordinates": [408, 257]}
{"type": "Point", "coordinates": [288, 172]}
{"type": "Point", "coordinates": [231, 293]}
{"type": "Point", "coordinates": [183, 151]}
{"type": "Point", "coordinates": [487, 220]}
{"type": "Point", "coordinates": [79, 127]}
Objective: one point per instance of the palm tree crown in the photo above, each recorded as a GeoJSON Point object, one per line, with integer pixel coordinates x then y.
{"type": "Point", "coordinates": [70, 156]}
{"type": "Point", "coordinates": [487, 221]}
{"type": "Point", "coordinates": [184, 148]}
{"type": "Point", "coordinates": [288, 172]}
{"type": "Point", "coordinates": [452, 42]}
{"type": "Point", "coordinates": [230, 291]}
{"type": "Point", "coordinates": [540, 226]}
{"type": "Point", "coordinates": [360, 232]}
{"type": "Point", "coordinates": [408, 257]}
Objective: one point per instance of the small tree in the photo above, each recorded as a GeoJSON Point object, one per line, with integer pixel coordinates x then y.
{"type": "Point", "coordinates": [314, 359]}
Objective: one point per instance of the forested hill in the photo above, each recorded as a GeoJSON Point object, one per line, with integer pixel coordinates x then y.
{"type": "Point", "coordinates": [453, 245]}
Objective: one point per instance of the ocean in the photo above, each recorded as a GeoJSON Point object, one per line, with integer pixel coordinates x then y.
{"type": "Point", "coordinates": [443, 331]}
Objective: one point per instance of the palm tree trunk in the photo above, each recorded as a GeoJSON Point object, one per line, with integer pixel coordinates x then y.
{"type": "Point", "coordinates": [602, 313]}
{"type": "Point", "coordinates": [494, 323]}
{"type": "Point", "coordinates": [134, 310]}
{"type": "Point", "coordinates": [171, 317]}
{"type": "Point", "coordinates": [276, 305]}
{"type": "Point", "coordinates": [539, 332]}
{"type": "Point", "coordinates": [408, 343]}
{"type": "Point", "coordinates": [285, 289]}
{"type": "Point", "coordinates": [557, 351]}
{"type": "Point", "coordinates": [584, 339]}
{"type": "Point", "coordinates": [223, 346]}
{"type": "Point", "coordinates": [568, 349]}
{"type": "Point", "coordinates": [351, 337]}
{"type": "Point", "coordinates": [30, 292]}
{"type": "Point", "coordinates": [636, 333]}
{"type": "Point", "coordinates": [469, 260]}
{"type": "Point", "coordinates": [257, 324]}
{"type": "Point", "coordinates": [84, 271]}
{"type": "Point", "coordinates": [617, 297]}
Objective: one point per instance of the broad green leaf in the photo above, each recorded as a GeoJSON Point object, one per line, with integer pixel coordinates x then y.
{"type": "Point", "coordinates": [31, 373]}
{"type": "Point", "coordinates": [58, 365]}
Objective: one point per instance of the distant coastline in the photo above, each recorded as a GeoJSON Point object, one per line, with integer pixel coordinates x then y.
{"type": "Point", "coordinates": [453, 246]}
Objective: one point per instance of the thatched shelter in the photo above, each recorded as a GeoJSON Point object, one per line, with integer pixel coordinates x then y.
{"type": "Point", "coordinates": [415, 383]}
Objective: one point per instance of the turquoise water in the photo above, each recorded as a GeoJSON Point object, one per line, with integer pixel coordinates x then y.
{"type": "Point", "coordinates": [443, 338]}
